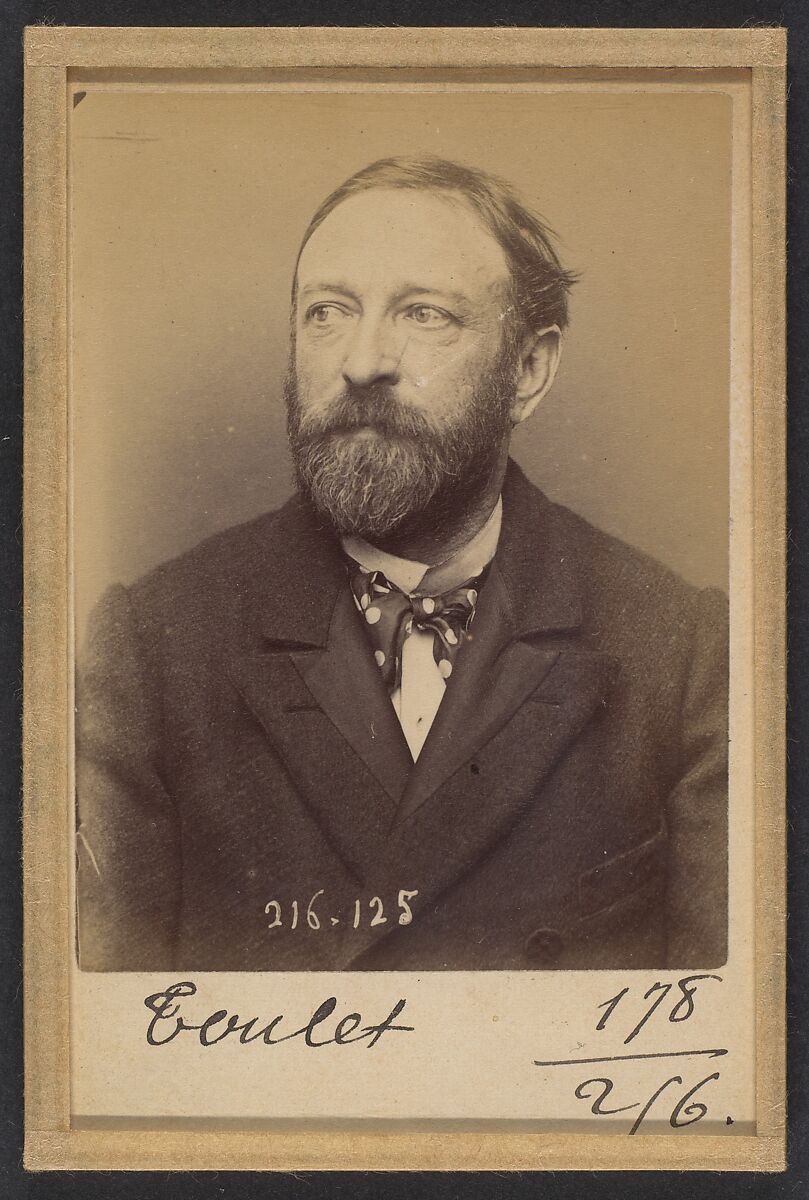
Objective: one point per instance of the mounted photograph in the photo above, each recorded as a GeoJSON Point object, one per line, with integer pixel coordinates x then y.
{"type": "Point", "coordinates": [406, 420]}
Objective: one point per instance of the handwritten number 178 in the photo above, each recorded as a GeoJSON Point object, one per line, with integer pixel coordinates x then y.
{"type": "Point", "coordinates": [681, 1010]}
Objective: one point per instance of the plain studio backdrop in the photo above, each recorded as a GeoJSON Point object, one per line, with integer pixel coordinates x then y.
{"type": "Point", "coordinates": [187, 209]}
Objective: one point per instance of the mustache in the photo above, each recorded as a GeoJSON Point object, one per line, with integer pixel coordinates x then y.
{"type": "Point", "coordinates": [374, 407]}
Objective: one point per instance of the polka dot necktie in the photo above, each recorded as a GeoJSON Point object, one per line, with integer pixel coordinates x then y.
{"type": "Point", "coordinates": [390, 616]}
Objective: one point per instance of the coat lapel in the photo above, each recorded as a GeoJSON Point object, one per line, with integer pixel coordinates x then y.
{"type": "Point", "coordinates": [347, 685]}
{"type": "Point", "coordinates": [523, 691]}
{"type": "Point", "coordinates": [311, 682]}
{"type": "Point", "coordinates": [529, 614]}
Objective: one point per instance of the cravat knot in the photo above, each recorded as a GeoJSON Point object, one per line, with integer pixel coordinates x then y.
{"type": "Point", "coordinates": [391, 615]}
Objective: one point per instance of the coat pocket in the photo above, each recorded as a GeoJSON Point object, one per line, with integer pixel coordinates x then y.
{"type": "Point", "coordinates": [640, 869]}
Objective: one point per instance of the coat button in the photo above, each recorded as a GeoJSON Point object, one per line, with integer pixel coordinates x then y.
{"type": "Point", "coordinates": [543, 947]}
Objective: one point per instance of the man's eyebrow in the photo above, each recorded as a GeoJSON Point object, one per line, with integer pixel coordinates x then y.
{"type": "Point", "coordinates": [326, 286]}
{"type": "Point", "coordinates": [406, 289]}
{"type": "Point", "coordinates": [418, 289]}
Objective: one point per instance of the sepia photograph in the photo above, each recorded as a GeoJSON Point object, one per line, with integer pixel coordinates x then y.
{"type": "Point", "coordinates": [405, 424]}
{"type": "Point", "coordinates": [421, 703]}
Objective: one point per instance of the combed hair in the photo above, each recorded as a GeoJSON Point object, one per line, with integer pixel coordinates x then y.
{"type": "Point", "coordinates": [539, 282]}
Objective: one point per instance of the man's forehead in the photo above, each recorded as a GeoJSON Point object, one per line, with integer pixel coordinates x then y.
{"type": "Point", "coordinates": [430, 237]}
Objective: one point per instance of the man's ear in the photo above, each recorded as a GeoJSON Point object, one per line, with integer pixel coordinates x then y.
{"type": "Point", "coordinates": [539, 359]}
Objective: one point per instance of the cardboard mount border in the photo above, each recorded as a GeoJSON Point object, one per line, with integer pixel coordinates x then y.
{"type": "Point", "coordinates": [51, 1143]}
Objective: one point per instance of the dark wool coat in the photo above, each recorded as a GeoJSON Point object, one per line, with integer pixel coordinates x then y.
{"type": "Point", "coordinates": [237, 752]}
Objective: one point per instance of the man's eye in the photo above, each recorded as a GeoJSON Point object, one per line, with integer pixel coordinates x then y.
{"type": "Point", "coordinates": [429, 317]}
{"type": "Point", "coordinates": [324, 314]}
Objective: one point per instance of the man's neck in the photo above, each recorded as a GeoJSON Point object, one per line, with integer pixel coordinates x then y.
{"type": "Point", "coordinates": [418, 578]}
{"type": "Point", "coordinates": [440, 542]}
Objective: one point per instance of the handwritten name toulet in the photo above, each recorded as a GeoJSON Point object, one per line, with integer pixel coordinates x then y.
{"type": "Point", "coordinates": [319, 1030]}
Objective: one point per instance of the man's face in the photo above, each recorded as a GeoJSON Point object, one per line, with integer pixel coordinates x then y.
{"type": "Point", "coordinates": [401, 378]}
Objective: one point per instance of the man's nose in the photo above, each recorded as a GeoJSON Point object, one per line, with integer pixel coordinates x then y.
{"type": "Point", "coordinates": [373, 355]}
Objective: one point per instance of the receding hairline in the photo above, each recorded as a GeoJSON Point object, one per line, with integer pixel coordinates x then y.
{"type": "Point", "coordinates": [449, 195]}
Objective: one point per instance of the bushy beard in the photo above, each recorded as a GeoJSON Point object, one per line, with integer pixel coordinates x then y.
{"type": "Point", "coordinates": [408, 477]}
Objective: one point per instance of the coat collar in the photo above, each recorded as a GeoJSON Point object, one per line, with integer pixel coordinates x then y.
{"type": "Point", "coordinates": [537, 561]}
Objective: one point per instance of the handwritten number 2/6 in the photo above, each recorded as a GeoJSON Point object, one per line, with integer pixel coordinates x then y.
{"type": "Point", "coordinates": [694, 1112]}
{"type": "Point", "coordinates": [681, 1011]}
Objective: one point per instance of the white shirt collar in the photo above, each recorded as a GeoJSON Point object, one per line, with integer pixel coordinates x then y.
{"type": "Point", "coordinates": [415, 577]}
